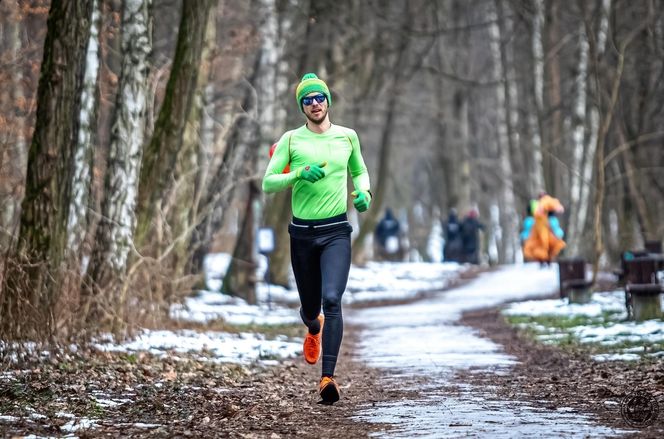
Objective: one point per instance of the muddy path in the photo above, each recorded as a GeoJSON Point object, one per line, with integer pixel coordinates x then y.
{"type": "Point", "coordinates": [455, 374]}
{"type": "Point", "coordinates": [555, 377]}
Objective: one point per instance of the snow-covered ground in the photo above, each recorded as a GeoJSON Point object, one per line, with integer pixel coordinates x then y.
{"type": "Point", "coordinates": [276, 306]}
{"type": "Point", "coordinates": [602, 321]}
{"type": "Point", "coordinates": [374, 283]}
{"type": "Point", "coordinates": [442, 344]}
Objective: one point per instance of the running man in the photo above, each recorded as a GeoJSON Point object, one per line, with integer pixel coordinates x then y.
{"type": "Point", "coordinates": [320, 155]}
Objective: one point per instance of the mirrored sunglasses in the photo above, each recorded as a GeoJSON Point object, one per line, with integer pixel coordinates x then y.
{"type": "Point", "coordinates": [308, 100]}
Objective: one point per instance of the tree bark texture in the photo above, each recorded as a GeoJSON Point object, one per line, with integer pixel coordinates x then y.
{"type": "Point", "coordinates": [240, 279]}
{"type": "Point", "coordinates": [35, 287]}
{"type": "Point", "coordinates": [114, 233]}
{"type": "Point", "coordinates": [79, 215]}
{"type": "Point", "coordinates": [160, 155]}
{"type": "Point", "coordinates": [13, 151]}
{"type": "Point", "coordinates": [553, 134]}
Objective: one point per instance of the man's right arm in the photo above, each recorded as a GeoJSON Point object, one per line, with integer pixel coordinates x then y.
{"type": "Point", "coordinates": [274, 179]}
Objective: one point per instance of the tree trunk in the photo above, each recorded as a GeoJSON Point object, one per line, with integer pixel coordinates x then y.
{"type": "Point", "coordinates": [508, 219]}
{"type": "Point", "coordinates": [517, 168]}
{"type": "Point", "coordinates": [537, 119]}
{"type": "Point", "coordinates": [278, 211]}
{"type": "Point", "coordinates": [553, 135]}
{"type": "Point", "coordinates": [184, 208]}
{"type": "Point", "coordinates": [34, 288]}
{"type": "Point", "coordinates": [578, 201]}
{"type": "Point", "coordinates": [240, 279]}
{"type": "Point", "coordinates": [13, 157]}
{"type": "Point", "coordinates": [239, 165]}
{"type": "Point", "coordinates": [114, 234]}
{"type": "Point", "coordinates": [600, 163]}
{"type": "Point", "coordinates": [160, 155]}
{"type": "Point", "coordinates": [77, 229]}
{"type": "Point", "coordinates": [277, 216]}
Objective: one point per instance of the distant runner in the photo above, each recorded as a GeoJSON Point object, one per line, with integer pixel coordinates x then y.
{"type": "Point", "coordinates": [320, 155]}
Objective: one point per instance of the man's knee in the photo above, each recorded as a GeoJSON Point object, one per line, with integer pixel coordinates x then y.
{"type": "Point", "coordinates": [332, 302]}
{"type": "Point", "coordinates": [308, 317]}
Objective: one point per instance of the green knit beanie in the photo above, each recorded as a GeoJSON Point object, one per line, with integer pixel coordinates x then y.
{"type": "Point", "coordinates": [311, 83]}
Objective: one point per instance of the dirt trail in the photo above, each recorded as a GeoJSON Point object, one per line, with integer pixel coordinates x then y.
{"type": "Point", "coordinates": [164, 397]}
{"type": "Point", "coordinates": [566, 377]}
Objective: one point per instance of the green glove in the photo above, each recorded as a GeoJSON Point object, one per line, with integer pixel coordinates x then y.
{"type": "Point", "coordinates": [311, 173]}
{"type": "Point", "coordinates": [362, 200]}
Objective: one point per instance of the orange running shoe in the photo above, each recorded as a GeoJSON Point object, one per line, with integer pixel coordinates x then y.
{"type": "Point", "coordinates": [328, 390]}
{"type": "Point", "coordinates": [311, 346]}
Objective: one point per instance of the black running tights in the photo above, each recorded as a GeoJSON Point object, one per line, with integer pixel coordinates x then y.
{"type": "Point", "coordinates": [321, 261]}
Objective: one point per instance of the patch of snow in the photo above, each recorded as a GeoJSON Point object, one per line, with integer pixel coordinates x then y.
{"type": "Point", "coordinates": [78, 425]}
{"type": "Point", "coordinates": [221, 346]}
{"type": "Point", "coordinates": [616, 357]}
{"type": "Point", "coordinates": [601, 302]}
{"type": "Point", "coordinates": [208, 306]}
{"type": "Point", "coordinates": [144, 425]}
{"type": "Point", "coordinates": [613, 332]}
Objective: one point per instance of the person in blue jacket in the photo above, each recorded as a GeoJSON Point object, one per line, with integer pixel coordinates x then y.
{"type": "Point", "coordinates": [528, 221]}
{"type": "Point", "coordinates": [554, 224]}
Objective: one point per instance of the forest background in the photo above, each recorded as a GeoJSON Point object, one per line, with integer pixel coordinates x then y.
{"type": "Point", "coordinates": [134, 134]}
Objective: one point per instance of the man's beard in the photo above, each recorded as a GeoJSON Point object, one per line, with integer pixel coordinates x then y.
{"type": "Point", "coordinates": [318, 121]}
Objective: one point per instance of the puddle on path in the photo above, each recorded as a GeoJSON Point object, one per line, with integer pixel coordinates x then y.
{"type": "Point", "coordinates": [422, 340]}
{"type": "Point", "coordinates": [474, 413]}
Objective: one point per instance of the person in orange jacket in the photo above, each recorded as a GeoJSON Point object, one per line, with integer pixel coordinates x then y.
{"type": "Point", "coordinates": [543, 244]}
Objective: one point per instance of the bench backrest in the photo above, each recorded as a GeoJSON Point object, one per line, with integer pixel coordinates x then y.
{"type": "Point", "coordinates": [643, 270]}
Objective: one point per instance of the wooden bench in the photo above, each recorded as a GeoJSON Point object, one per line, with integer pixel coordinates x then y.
{"type": "Point", "coordinates": [642, 288]}
{"type": "Point", "coordinates": [654, 247]}
{"type": "Point", "coordinates": [572, 280]}
{"type": "Point", "coordinates": [625, 256]}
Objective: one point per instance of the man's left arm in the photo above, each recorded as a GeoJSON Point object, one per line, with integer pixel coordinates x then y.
{"type": "Point", "coordinates": [359, 174]}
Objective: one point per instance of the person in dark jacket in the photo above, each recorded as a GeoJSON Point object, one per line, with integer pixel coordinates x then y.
{"type": "Point", "coordinates": [470, 228]}
{"type": "Point", "coordinates": [387, 236]}
{"type": "Point", "coordinates": [452, 252]}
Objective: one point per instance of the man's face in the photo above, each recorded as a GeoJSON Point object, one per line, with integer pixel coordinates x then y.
{"type": "Point", "coordinates": [316, 111]}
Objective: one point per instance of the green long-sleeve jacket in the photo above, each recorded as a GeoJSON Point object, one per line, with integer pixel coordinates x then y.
{"type": "Point", "coordinates": [340, 148]}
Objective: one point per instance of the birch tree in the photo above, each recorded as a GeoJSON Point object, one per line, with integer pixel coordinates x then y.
{"type": "Point", "coordinates": [537, 116]}
{"type": "Point", "coordinates": [505, 140]}
{"type": "Point", "coordinates": [292, 66]}
{"type": "Point", "coordinates": [77, 228]}
{"type": "Point", "coordinates": [114, 234]}
{"type": "Point", "coordinates": [273, 85]}
{"type": "Point", "coordinates": [13, 151]}
{"type": "Point", "coordinates": [585, 130]}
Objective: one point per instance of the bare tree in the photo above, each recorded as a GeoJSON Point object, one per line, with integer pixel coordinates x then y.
{"type": "Point", "coordinates": [399, 72]}
{"type": "Point", "coordinates": [159, 157]}
{"type": "Point", "coordinates": [77, 228]}
{"type": "Point", "coordinates": [114, 234]}
{"type": "Point", "coordinates": [506, 139]}
{"type": "Point", "coordinates": [33, 289]}
{"type": "Point", "coordinates": [607, 106]}
{"type": "Point", "coordinates": [13, 151]}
